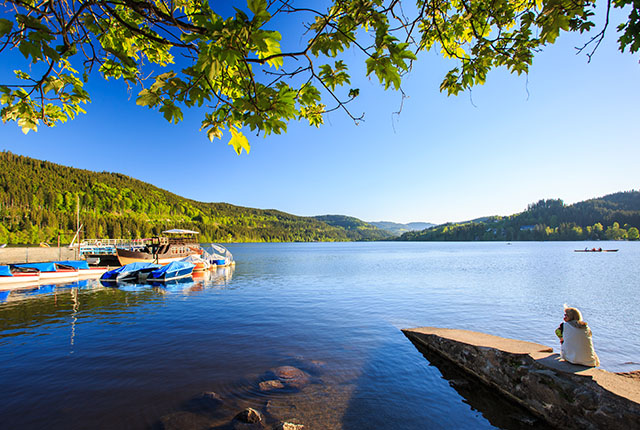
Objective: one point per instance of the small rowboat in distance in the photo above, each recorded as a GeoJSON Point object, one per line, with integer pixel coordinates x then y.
{"type": "Point", "coordinates": [595, 250]}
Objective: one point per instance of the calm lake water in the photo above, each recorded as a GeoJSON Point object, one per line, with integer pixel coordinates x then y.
{"type": "Point", "coordinates": [84, 356]}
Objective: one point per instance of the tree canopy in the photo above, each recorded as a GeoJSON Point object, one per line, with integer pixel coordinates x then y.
{"type": "Point", "coordinates": [247, 75]}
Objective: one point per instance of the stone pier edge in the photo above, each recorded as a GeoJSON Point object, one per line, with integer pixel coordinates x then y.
{"type": "Point", "coordinates": [562, 394]}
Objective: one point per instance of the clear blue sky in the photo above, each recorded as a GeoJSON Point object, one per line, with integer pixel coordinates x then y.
{"type": "Point", "coordinates": [569, 130]}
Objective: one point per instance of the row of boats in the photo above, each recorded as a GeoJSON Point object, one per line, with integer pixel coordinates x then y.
{"type": "Point", "coordinates": [159, 259]}
{"type": "Point", "coordinates": [149, 272]}
{"type": "Point", "coordinates": [21, 275]}
{"type": "Point", "coordinates": [18, 275]}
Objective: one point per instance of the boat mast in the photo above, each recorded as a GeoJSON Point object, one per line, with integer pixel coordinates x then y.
{"type": "Point", "coordinates": [77, 224]}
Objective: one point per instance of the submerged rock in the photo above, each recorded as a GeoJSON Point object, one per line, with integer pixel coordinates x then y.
{"type": "Point", "coordinates": [184, 420]}
{"type": "Point", "coordinates": [291, 376]}
{"type": "Point", "coordinates": [249, 415]}
{"type": "Point", "coordinates": [205, 401]}
{"type": "Point", "coordinates": [289, 426]}
{"type": "Point", "coordinates": [273, 384]}
{"type": "Point", "coordinates": [249, 419]}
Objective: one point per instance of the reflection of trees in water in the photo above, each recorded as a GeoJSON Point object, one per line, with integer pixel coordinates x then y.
{"type": "Point", "coordinates": [31, 307]}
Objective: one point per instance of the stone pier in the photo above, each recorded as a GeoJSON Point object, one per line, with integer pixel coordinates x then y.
{"type": "Point", "coordinates": [562, 394]}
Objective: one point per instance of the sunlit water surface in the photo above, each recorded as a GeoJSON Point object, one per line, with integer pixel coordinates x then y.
{"type": "Point", "coordinates": [85, 356]}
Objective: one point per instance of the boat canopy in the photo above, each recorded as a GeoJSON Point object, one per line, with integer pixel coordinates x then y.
{"type": "Point", "coordinates": [43, 267]}
{"type": "Point", "coordinates": [214, 250]}
{"type": "Point", "coordinates": [5, 271]}
{"type": "Point", "coordinates": [180, 231]}
{"type": "Point", "coordinates": [132, 267]}
{"type": "Point", "coordinates": [76, 264]}
{"type": "Point", "coordinates": [126, 269]}
{"type": "Point", "coordinates": [174, 266]}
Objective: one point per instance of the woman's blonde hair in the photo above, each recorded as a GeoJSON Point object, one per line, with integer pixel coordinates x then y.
{"type": "Point", "coordinates": [574, 314]}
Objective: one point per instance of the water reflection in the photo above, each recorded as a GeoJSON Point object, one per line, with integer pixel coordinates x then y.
{"type": "Point", "coordinates": [198, 281]}
{"type": "Point", "coordinates": [497, 409]}
{"type": "Point", "coordinates": [81, 356]}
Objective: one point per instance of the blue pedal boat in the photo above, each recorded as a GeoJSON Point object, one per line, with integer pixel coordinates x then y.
{"type": "Point", "coordinates": [173, 270]}
{"type": "Point", "coordinates": [128, 272]}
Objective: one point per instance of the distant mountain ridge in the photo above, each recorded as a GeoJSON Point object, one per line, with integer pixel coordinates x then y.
{"type": "Point", "coordinates": [611, 217]}
{"type": "Point", "coordinates": [355, 225]}
{"type": "Point", "coordinates": [38, 204]}
{"type": "Point", "coordinates": [397, 229]}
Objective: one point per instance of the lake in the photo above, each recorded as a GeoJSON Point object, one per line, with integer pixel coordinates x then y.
{"type": "Point", "coordinates": [83, 356]}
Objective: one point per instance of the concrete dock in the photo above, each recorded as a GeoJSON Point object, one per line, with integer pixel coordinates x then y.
{"type": "Point", "coordinates": [35, 254]}
{"type": "Point", "coordinates": [563, 394]}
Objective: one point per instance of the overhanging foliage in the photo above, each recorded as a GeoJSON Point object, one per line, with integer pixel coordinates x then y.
{"type": "Point", "coordinates": [188, 53]}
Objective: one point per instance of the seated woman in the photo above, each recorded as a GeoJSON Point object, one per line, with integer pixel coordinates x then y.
{"type": "Point", "coordinates": [575, 337]}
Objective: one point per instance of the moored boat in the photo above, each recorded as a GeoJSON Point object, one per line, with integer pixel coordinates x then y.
{"type": "Point", "coordinates": [177, 245]}
{"type": "Point", "coordinates": [595, 250]}
{"type": "Point", "coordinates": [217, 256]}
{"type": "Point", "coordinates": [17, 277]}
{"type": "Point", "coordinates": [171, 271]}
{"type": "Point", "coordinates": [51, 271]}
{"type": "Point", "coordinates": [200, 264]}
{"type": "Point", "coordinates": [84, 270]}
{"type": "Point", "coordinates": [128, 272]}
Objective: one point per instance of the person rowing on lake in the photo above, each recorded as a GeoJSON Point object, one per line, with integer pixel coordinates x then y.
{"type": "Point", "coordinates": [575, 339]}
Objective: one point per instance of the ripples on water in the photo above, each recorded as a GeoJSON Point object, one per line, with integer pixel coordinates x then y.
{"type": "Point", "coordinates": [85, 356]}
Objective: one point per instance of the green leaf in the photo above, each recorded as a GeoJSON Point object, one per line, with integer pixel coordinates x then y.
{"type": "Point", "coordinates": [214, 132]}
{"type": "Point", "coordinates": [31, 22]}
{"type": "Point", "coordinates": [172, 113]}
{"type": "Point", "coordinates": [28, 48]}
{"type": "Point", "coordinates": [27, 125]}
{"type": "Point", "coordinates": [147, 98]}
{"type": "Point", "coordinates": [239, 141]}
{"type": "Point", "coordinates": [5, 26]}
{"type": "Point", "coordinates": [257, 6]}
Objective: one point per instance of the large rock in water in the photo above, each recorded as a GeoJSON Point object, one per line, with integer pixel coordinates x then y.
{"type": "Point", "coordinates": [249, 419]}
{"type": "Point", "coordinates": [291, 376]}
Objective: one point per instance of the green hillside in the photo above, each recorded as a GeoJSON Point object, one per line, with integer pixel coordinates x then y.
{"type": "Point", "coordinates": [397, 229]}
{"type": "Point", "coordinates": [355, 226]}
{"type": "Point", "coordinates": [612, 217]}
{"type": "Point", "coordinates": [38, 203]}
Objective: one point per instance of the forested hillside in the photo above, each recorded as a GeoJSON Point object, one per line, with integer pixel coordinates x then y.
{"type": "Point", "coordinates": [38, 203]}
{"type": "Point", "coordinates": [355, 226]}
{"type": "Point", "coordinates": [612, 217]}
{"type": "Point", "coordinates": [397, 229]}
